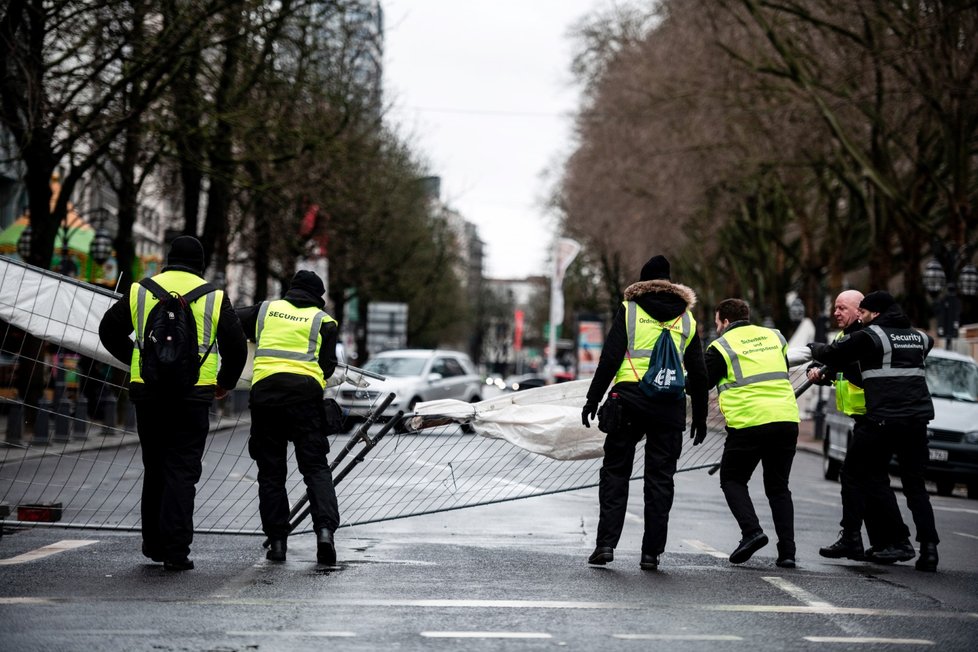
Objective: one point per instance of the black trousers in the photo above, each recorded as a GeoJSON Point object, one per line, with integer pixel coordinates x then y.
{"type": "Point", "coordinates": [771, 445]}
{"type": "Point", "coordinates": [172, 435]}
{"type": "Point", "coordinates": [867, 469]}
{"type": "Point", "coordinates": [662, 450]}
{"type": "Point", "coordinates": [272, 428]}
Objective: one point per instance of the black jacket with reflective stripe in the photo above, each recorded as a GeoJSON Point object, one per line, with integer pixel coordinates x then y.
{"type": "Point", "coordinates": [891, 358]}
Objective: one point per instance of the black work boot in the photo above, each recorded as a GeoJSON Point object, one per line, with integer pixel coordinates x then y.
{"type": "Point", "coordinates": [786, 555]}
{"type": "Point", "coordinates": [891, 553]}
{"type": "Point", "coordinates": [849, 546]}
{"type": "Point", "coordinates": [276, 550]}
{"type": "Point", "coordinates": [601, 556]}
{"type": "Point", "coordinates": [747, 547]}
{"type": "Point", "coordinates": [325, 548]}
{"type": "Point", "coordinates": [927, 561]}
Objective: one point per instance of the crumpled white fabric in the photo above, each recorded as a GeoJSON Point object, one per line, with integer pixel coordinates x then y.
{"type": "Point", "coordinates": [544, 420]}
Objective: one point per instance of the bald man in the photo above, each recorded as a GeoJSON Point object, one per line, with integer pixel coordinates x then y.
{"type": "Point", "coordinates": [850, 400]}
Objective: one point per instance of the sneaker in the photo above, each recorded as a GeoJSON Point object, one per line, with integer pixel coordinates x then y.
{"type": "Point", "coordinates": [892, 553]}
{"type": "Point", "coordinates": [748, 546]}
{"type": "Point", "coordinates": [601, 556]}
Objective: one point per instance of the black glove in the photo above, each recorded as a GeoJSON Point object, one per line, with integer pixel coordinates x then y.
{"type": "Point", "coordinates": [817, 349]}
{"type": "Point", "coordinates": [697, 432]}
{"type": "Point", "coordinates": [589, 409]}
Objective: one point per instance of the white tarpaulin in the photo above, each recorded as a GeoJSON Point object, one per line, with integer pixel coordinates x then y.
{"type": "Point", "coordinates": [67, 312]}
{"type": "Point", "coordinates": [55, 308]}
{"type": "Point", "coordinates": [545, 420]}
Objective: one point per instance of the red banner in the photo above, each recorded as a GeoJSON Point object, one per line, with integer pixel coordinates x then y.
{"type": "Point", "coordinates": [518, 330]}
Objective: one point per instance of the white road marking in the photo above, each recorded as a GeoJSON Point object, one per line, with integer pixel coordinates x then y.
{"type": "Point", "coordinates": [47, 551]}
{"type": "Point", "coordinates": [485, 635]}
{"type": "Point", "coordinates": [519, 485]}
{"type": "Point", "coordinates": [322, 634]}
{"type": "Point", "coordinates": [797, 592]}
{"type": "Point", "coordinates": [869, 640]}
{"type": "Point", "coordinates": [26, 601]}
{"type": "Point", "coordinates": [702, 547]}
{"type": "Point", "coordinates": [969, 536]}
{"type": "Point", "coordinates": [635, 518]}
{"type": "Point", "coordinates": [963, 510]}
{"type": "Point", "coordinates": [676, 637]}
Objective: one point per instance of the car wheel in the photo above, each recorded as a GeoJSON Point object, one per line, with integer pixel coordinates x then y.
{"type": "Point", "coordinates": [973, 490]}
{"type": "Point", "coordinates": [830, 468]}
{"type": "Point", "coordinates": [945, 487]}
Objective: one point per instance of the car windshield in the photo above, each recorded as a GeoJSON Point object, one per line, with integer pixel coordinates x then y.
{"type": "Point", "coordinates": [394, 366]}
{"type": "Point", "coordinates": [955, 379]}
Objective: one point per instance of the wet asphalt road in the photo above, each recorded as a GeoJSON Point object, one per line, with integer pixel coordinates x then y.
{"type": "Point", "coordinates": [504, 577]}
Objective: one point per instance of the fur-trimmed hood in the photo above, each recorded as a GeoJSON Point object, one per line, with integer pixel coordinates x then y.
{"type": "Point", "coordinates": [660, 298]}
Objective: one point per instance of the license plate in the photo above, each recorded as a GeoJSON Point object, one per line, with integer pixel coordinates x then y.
{"type": "Point", "coordinates": [937, 454]}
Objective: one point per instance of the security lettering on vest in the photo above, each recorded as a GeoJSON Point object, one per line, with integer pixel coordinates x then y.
{"type": "Point", "coordinates": [282, 315]}
{"type": "Point", "coordinates": [909, 341]}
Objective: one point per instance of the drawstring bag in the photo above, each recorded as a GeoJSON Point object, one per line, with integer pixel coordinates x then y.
{"type": "Point", "coordinates": [665, 378]}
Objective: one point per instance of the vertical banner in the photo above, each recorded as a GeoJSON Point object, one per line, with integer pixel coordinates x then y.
{"type": "Point", "coordinates": [590, 340]}
{"type": "Point", "coordinates": [518, 331]}
{"type": "Point", "coordinates": [564, 253]}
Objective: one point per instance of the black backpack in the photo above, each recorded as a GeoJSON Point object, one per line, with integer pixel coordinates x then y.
{"type": "Point", "coordinates": [169, 361]}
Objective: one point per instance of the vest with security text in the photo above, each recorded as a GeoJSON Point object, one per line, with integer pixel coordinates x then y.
{"type": "Point", "coordinates": [850, 399]}
{"type": "Point", "coordinates": [896, 388]}
{"type": "Point", "coordinates": [287, 340]}
{"type": "Point", "coordinates": [206, 310]}
{"type": "Point", "coordinates": [756, 389]}
{"type": "Point", "coordinates": [643, 332]}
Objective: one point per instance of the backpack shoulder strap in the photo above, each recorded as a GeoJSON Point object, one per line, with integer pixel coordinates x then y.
{"type": "Point", "coordinates": [155, 288]}
{"type": "Point", "coordinates": [198, 292]}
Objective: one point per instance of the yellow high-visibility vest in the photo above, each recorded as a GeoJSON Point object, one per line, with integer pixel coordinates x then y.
{"type": "Point", "coordinates": [206, 310]}
{"type": "Point", "coordinates": [849, 398]}
{"type": "Point", "coordinates": [287, 340]}
{"type": "Point", "coordinates": [643, 332]}
{"type": "Point", "coordinates": [756, 389]}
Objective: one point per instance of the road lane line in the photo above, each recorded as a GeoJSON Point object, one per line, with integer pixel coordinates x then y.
{"type": "Point", "coordinates": [635, 518]}
{"type": "Point", "coordinates": [969, 536]}
{"type": "Point", "coordinates": [486, 635]}
{"type": "Point", "coordinates": [676, 637]}
{"type": "Point", "coordinates": [321, 634]}
{"type": "Point", "coordinates": [47, 551]}
{"type": "Point", "coordinates": [797, 592]}
{"type": "Point", "coordinates": [963, 510]}
{"type": "Point", "coordinates": [868, 640]}
{"type": "Point", "coordinates": [702, 547]}
{"type": "Point", "coordinates": [26, 601]}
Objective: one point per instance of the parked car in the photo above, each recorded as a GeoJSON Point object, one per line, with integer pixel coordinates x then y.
{"type": "Point", "coordinates": [524, 381]}
{"type": "Point", "coordinates": [415, 376]}
{"type": "Point", "coordinates": [952, 435]}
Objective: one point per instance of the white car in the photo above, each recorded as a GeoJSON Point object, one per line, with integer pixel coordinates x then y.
{"type": "Point", "coordinates": [415, 376]}
{"type": "Point", "coordinates": [952, 435]}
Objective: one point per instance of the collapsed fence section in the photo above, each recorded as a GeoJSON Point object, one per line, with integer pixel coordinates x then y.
{"type": "Point", "coordinates": [69, 442]}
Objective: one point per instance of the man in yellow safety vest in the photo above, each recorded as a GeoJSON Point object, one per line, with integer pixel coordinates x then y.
{"type": "Point", "coordinates": [749, 368]}
{"type": "Point", "coordinates": [173, 421]}
{"type": "Point", "coordinates": [295, 352]}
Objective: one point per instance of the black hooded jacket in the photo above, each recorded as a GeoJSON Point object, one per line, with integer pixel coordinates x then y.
{"type": "Point", "coordinates": [664, 301]}
{"type": "Point", "coordinates": [116, 325]}
{"type": "Point", "coordinates": [286, 389]}
{"type": "Point", "coordinates": [896, 397]}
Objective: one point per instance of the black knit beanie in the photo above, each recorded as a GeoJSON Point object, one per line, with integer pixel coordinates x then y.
{"type": "Point", "coordinates": [877, 301]}
{"type": "Point", "coordinates": [308, 281]}
{"type": "Point", "coordinates": [656, 268]}
{"type": "Point", "coordinates": [186, 251]}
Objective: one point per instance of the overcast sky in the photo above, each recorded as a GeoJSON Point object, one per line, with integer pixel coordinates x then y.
{"type": "Point", "coordinates": [483, 90]}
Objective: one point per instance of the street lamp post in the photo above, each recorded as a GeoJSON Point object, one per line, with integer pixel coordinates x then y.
{"type": "Point", "coordinates": [944, 288]}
